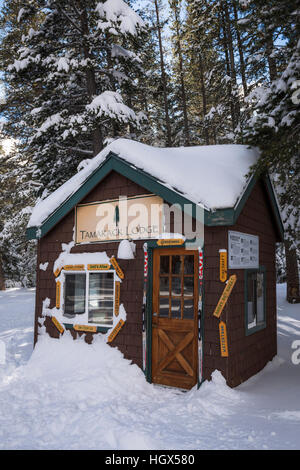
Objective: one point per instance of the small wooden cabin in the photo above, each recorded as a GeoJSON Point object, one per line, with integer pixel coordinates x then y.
{"type": "Point", "coordinates": [180, 293]}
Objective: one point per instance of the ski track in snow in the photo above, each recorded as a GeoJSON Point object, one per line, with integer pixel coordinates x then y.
{"type": "Point", "coordinates": [69, 395]}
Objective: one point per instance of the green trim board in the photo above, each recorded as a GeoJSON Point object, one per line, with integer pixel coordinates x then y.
{"type": "Point", "coordinates": [262, 325]}
{"type": "Point", "coordinates": [219, 217]}
{"type": "Point", "coordinates": [274, 204]}
{"type": "Point", "coordinates": [148, 311]}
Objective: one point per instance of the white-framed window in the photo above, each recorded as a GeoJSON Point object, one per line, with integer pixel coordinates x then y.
{"type": "Point", "coordinates": [255, 299]}
{"type": "Point", "coordinates": [90, 294]}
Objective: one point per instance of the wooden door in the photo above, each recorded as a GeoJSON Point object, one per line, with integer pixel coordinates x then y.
{"type": "Point", "coordinates": [174, 317]}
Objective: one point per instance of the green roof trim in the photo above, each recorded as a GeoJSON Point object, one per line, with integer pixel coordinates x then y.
{"type": "Point", "coordinates": [221, 217]}
{"type": "Point", "coordinates": [274, 205]}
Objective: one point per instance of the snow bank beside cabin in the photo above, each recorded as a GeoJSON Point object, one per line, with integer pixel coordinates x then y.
{"type": "Point", "coordinates": [212, 176]}
{"type": "Point", "coordinates": [102, 372]}
{"type": "Point", "coordinates": [71, 395]}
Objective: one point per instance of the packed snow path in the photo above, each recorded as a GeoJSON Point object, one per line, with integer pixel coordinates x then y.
{"type": "Point", "coordinates": [69, 395]}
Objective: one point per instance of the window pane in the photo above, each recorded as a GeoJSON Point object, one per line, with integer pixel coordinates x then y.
{"type": "Point", "coordinates": [101, 296]}
{"type": "Point", "coordinates": [164, 286]}
{"type": "Point", "coordinates": [260, 297]}
{"type": "Point", "coordinates": [74, 294]}
{"type": "Point", "coordinates": [251, 307]}
{"type": "Point", "coordinates": [176, 308]}
{"type": "Point", "coordinates": [164, 307]}
{"type": "Point", "coordinates": [189, 264]}
{"type": "Point", "coordinates": [164, 265]}
{"type": "Point", "coordinates": [188, 284]}
{"type": "Point", "coordinates": [188, 308]}
{"type": "Point", "coordinates": [176, 264]}
{"type": "Point", "coordinates": [176, 286]}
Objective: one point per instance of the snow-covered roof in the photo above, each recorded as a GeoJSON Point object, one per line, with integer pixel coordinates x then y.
{"type": "Point", "coordinates": [212, 176]}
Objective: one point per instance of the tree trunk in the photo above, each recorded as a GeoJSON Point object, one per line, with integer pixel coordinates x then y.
{"type": "Point", "coordinates": [163, 78]}
{"type": "Point", "coordinates": [271, 60]}
{"type": "Point", "coordinates": [292, 274]}
{"type": "Point", "coordinates": [204, 100]}
{"type": "Point", "coordinates": [97, 136]}
{"type": "Point", "coordinates": [227, 24]}
{"type": "Point", "coordinates": [181, 75]}
{"type": "Point", "coordinates": [240, 48]}
{"type": "Point", "coordinates": [2, 280]}
{"type": "Point", "coordinates": [228, 71]}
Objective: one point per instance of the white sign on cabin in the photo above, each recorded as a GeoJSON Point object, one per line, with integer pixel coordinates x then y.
{"type": "Point", "coordinates": [136, 217]}
{"type": "Point", "coordinates": [243, 250]}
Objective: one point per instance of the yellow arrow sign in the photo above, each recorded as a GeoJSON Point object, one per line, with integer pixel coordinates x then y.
{"type": "Point", "coordinates": [98, 267]}
{"type": "Point", "coordinates": [74, 267]}
{"type": "Point", "coordinates": [223, 339]}
{"type": "Point", "coordinates": [223, 265]}
{"type": "Point", "coordinates": [117, 298]}
{"type": "Point", "coordinates": [117, 267]}
{"type": "Point", "coordinates": [88, 328]}
{"type": "Point", "coordinates": [57, 324]}
{"type": "Point", "coordinates": [115, 331]}
{"type": "Point", "coordinates": [58, 288]}
{"type": "Point", "coordinates": [57, 272]}
{"type": "Point", "coordinates": [224, 297]}
{"type": "Point", "coordinates": [170, 241]}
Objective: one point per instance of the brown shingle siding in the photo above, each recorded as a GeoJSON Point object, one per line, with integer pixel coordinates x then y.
{"type": "Point", "coordinates": [129, 338]}
{"type": "Point", "coordinates": [247, 354]}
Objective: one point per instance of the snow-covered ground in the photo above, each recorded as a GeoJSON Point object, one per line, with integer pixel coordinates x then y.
{"type": "Point", "coordinates": [69, 395]}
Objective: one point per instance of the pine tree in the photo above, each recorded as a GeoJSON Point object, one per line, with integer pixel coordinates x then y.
{"type": "Point", "coordinates": [163, 75]}
{"type": "Point", "coordinates": [70, 82]}
{"type": "Point", "coordinates": [206, 75]}
{"type": "Point", "coordinates": [275, 125]}
{"type": "Point", "coordinates": [77, 58]}
{"type": "Point", "coordinates": [17, 254]}
{"type": "Point", "coordinates": [179, 74]}
{"type": "Point", "coordinates": [155, 86]}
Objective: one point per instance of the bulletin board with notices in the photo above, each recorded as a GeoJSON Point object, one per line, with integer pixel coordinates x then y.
{"type": "Point", "coordinates": [243, 250]}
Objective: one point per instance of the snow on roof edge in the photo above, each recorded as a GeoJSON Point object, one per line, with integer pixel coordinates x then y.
{"type": "Point", "coordinates": [203, 159]}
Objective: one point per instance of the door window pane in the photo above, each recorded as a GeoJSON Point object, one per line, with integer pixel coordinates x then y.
{"type": "Point", "coordinates": [188, 308]}
{"type": "Point", "coordinates": [176, 286]}
{"type": "Point", "coordinates": [164, 286]}
{"type": "Point", "coordinates": [74, 294]}
{"type": "Point", "coordinates": [176, 308]}
{"type": "Point", "coordinates": [164, 264]}
{"type": "Point", "coordinates": [101, 295]}
{"type": "Point", "coordinates": [189, 264]}
{"type": "Point", "coordinates": [188, 286]}
{"type": "Point", "coordinates": [176, 264]}
{"type": "Point", "coordinates": [164, 307]}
